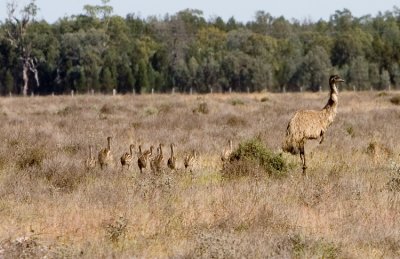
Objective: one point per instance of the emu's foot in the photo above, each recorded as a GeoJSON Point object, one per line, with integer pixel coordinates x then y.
{"type": "Point", "coordinates": [304, 170]}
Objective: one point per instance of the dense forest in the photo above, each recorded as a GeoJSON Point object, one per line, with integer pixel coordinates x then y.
{"type": "Point", "coordinates": [100, 51]}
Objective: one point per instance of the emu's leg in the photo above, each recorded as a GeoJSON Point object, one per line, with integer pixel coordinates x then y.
{"type": "Point", "coordinates": [303, 159]}
{"type": "Point", "coordinates": [322, 135]}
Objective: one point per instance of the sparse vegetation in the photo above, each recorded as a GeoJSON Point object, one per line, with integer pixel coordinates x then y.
{"type": "Point", "coordinates": [52, 207]}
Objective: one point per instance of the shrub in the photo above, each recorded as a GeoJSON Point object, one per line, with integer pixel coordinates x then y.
{"type": "Point", "coordinates": [395, 100]}
{"type": "Point", "coordinates": [264, 99]}
{"type": "Point", "coordinates": [253, 158]}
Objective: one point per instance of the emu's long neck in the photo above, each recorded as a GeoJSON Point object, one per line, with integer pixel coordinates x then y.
{"type": "Point", "coordinates": [109, 143]}
{"type": "Point", "coordinates": [331, 106]}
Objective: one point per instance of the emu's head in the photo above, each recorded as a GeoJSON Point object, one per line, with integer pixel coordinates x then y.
{"type": "Point", "coordinates": [335, 79]}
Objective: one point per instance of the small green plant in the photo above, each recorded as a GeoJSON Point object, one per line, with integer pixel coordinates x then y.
{"type": "Point", "coordinates": [202, 108]}
{"type": "Point", "coordinates": [350, 131]}
{"type": "Point", "coordinates": [395, 100]}
{"type": "Point", "coordinates": [253, 158]}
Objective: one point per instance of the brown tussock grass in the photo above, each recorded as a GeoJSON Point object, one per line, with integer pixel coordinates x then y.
{"type": "Point", "coordinates": [343, 209]}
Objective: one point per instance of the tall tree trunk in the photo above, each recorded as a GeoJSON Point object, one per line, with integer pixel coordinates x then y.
{"type": "Point", "coordinates": [25, 77]}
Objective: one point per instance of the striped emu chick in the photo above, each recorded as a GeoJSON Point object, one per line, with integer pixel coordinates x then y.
{"type": "Point", "coordinates": [156, 163]}
{"type": "Point", "coordinates": [172, 159]}
{"type": "Point", "coordinates": [311, 124]}
{"type": "Point", "coordinates": [144, 157]}
{"type": "Point", "coordinates": [105, 156]}
{"type": "Point", "coordinates": [227, 152]}
{"type": "Point", "coordinates": [90, 162]}
{"type": "Point", "coordinates": [188, 160]}
{"type": "Point", "coordinates": [127, 158]}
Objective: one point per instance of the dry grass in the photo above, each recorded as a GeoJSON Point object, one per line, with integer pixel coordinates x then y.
{"type": "Point", "coordinates": [348, 207]}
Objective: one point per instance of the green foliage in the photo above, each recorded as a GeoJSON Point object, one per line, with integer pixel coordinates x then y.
{"type": "Point", "coordinates": [253, 158]}
{"type": "Point", "coordinates": [350, 130]}
{"type": "Point", "coordinates": [100, 51]}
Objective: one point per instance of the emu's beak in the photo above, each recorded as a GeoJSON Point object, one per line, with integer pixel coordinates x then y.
{"type": "Point", "coordinates": [340, 80]}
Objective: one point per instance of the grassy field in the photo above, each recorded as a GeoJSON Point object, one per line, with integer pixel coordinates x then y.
{"type": "Point", "coordinates": [347, 207]}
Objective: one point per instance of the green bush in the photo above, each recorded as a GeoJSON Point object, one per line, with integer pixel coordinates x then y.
{"type": "Point", "coordinates": [253, 158]}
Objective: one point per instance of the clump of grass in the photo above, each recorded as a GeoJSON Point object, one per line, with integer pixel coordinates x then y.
{"type": "Point", "coordinates": [236, 101]}
{"type": "Point", "coordinates": [68, 110]}
{"type": "Point", "coordinates": [165, 108]}
{"type": "Point", "coordinates": [31, 157]}
{"type": "Point", "coordinates": [72, 149]}
{"type": "Point", "coordinates": [378, 150]}
{"type": "Point", "coordinates": [302, 247]}
{"type": "Point", "coordinates": [151, 111]}
{"type": "Point", "coordinates": [264, 99]}
{"type": "Point", "coordinates": [22, 247]}
{"type": "Point", "coordinates": [350, 130]}
{"type": "Point", "coordinates": [202, 108]}
{"type": "Point", "coordinates": [116, 229]}
{"type": "Point", "coordinates": [235, 121]}
{"type": "Point", "coordinates": [382, 94]}
{"type": "Point", "coordinates": [395, 100]}
{"type": "Point", "coordinates": [394, 183]}
{"type": "Point", "coordinates": [253, 158]}
{"type": "Point", "coordinates": [106, 109]}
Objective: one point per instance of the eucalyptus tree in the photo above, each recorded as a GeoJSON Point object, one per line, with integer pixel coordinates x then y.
{"type": "Point", "coordinates": [17, 31]}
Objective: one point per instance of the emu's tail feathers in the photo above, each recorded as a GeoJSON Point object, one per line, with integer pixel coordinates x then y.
{"type": "Point", "coordinates": [291, 146]}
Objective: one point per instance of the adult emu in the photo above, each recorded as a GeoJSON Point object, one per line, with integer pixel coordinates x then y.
{"type": "Point", "coordinates": [311, 124]}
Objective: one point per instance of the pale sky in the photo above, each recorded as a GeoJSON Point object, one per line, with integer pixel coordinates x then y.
{"type": "Point", "coordinates": [243, 11]}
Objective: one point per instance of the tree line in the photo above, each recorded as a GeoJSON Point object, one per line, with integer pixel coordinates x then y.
{"type": "Point", "coordinates": [99, 51]}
